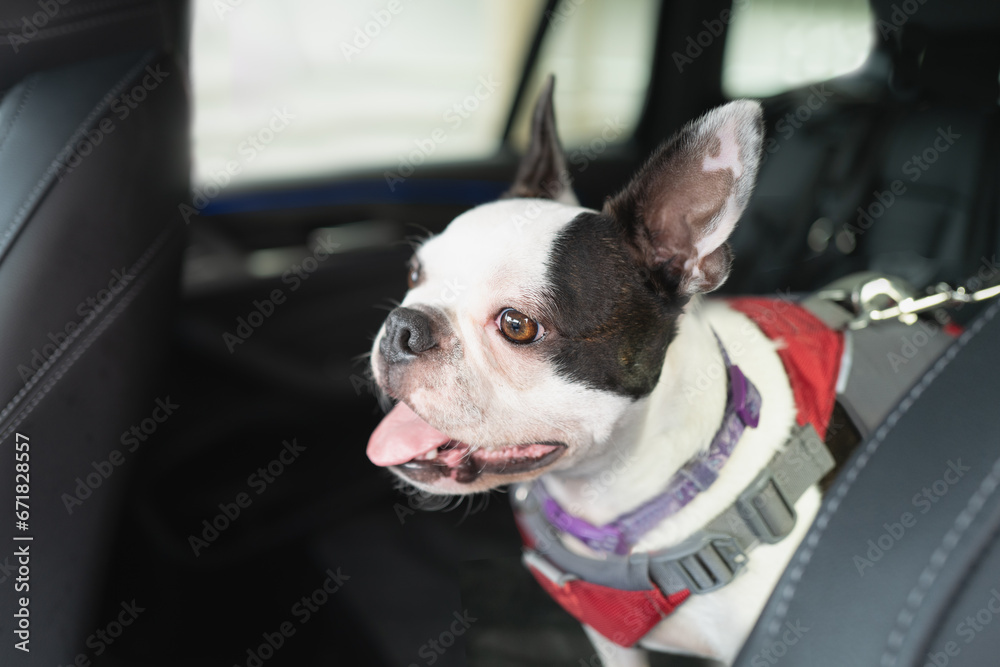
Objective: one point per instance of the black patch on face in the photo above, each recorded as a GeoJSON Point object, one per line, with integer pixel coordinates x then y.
{"type": "Point", "coordinates": [612, 318]}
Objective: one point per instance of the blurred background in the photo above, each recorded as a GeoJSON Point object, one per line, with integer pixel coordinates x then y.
{"type": "Point", "coordinates": [265, 196]}
{"type": "Point", "coordinates": [361, 98]}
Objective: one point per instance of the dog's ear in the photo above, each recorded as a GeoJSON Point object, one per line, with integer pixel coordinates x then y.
{"type": "Point", "coordinates": [542, 172]}
{"type": "Point", "coordinates": [680, 208]}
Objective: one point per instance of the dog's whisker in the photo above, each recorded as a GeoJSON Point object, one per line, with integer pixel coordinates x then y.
{"type": "Point", "coordinates": [465, 274]}
{"type": "Point", "coordinates": [426, 232]}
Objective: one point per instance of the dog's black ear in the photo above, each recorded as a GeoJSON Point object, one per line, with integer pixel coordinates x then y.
{"type": "Point", "coordinates": [680, 208]}
{"type": "Point", "coordinates": [542, 172]}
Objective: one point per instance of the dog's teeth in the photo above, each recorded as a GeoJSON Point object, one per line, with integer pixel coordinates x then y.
{"type": "Point", "coordinates": [431, 455]}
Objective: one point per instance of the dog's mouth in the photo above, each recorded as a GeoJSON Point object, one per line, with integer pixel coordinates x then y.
{"type": "Point", "coordinates": [407, 442]}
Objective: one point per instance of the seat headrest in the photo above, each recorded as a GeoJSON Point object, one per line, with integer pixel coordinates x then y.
{"type": "Point", "coordinates": [942, 50]}
{"type": "Point", "coordinates": [37, 35]}
{"type": "Point", "coordinates": [935, 16]}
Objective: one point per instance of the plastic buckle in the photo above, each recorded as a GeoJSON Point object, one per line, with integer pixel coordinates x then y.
{"type": "Point", "coordinates": [524, 498]}
{"type": "Point", "coordinates": [765, 510]}
{"type": "Point", "coordinates": [544, 567]}
{"type": "Point", "coordinates": [711, 562]}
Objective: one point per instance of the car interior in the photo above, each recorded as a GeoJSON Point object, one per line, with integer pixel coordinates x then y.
{"type": "Point", "coordinates": [187, 358]}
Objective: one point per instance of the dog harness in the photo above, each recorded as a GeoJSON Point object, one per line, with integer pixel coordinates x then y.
{"type": "Point", "coordinates": [623, 595]}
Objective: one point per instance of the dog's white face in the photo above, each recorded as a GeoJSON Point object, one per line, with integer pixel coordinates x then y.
{"type": "Point", "coordinates": [532, 327]}
{"type": "Point", "coordinates": [477, 384]}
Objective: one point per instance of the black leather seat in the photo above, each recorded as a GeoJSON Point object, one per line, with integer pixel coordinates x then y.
{"type": "Point", "coordinates": [93, 165]}
{"type": "Point", "coordinates": [893, 169]}
{"type": "Point", "coordinates": [902, 566]}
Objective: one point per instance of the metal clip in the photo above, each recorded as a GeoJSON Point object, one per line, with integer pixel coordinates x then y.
{"type": "Point", "coordinates": [872, 297]}
{"type": "Point", "coordinates": [945, 296]}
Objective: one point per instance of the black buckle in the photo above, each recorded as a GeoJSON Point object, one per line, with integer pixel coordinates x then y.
{"type": "Point", "coordinates": [770, 516]}
{"type": "Point", "coordinates": [708, 563]}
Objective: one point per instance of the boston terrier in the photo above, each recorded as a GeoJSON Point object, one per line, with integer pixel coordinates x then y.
{"type": "Point", "coordinates": [576, 359]}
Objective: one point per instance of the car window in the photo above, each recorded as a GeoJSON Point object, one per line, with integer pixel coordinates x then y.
{"type": "Point", "coordinates": [777, 45]}
{"type": "Point", "coordinates": [600, 53]}
{"type": "Point", "coordinates": [310, 87]}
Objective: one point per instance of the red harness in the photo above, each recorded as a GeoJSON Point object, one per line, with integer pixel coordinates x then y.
{"type": "Point", "coordinates": [811, 353]}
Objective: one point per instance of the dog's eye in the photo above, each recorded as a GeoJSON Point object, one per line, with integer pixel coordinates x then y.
{"type": "Point", "coordinates": [413, 277]}
{"type": "Point", "coordinates": [518, 327]}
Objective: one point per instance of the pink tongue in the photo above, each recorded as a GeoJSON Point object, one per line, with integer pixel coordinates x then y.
{"type": "Point", "coordinates": [402, 436]}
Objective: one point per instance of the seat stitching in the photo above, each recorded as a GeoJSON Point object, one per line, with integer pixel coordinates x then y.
{"type": "Point", "coordinates": [908, 614]}
{"type": "Point", "coordinates": [29, 87]}
{"type": "Point", "coordinates": [830, 506]}
{"type": "Point", "coordinates": [74, 10]}
{"type": "Point", "coordinates": [73, 358]}
{"type": "Point", "coordinates": [78, 25]}
{"type": "Point", "coordinates": [92, 337]}
{"type": "Point", "coordinates": [137, 268]}
{"type": "Point", "coordinates": [46, 179]}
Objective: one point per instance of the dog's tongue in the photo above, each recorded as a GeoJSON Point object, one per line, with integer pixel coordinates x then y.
{"type": "Point", "coordinates": [402, 436]}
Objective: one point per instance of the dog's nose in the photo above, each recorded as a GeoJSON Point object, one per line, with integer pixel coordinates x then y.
{"type": "Point", "coordinates": [407, 334]}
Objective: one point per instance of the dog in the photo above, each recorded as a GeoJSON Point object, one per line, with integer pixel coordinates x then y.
{"type": "Point", "coordinates": [578, 352]}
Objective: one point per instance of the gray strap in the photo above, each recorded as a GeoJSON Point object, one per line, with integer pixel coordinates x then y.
{"type": "Point", "coordinates": [765, 511]}
{"type": "Point", "coordinates": [627, 573]}
{"type": "Point", "coordinates": [711, 558]}
{"type": "Point", "coordinates": [882, 360]}
{"type": "Point", "coordinates": [828, 311]}
{"type": "Point", "coordinates": [886, 360]}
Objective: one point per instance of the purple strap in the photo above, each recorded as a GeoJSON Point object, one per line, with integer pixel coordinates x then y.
{"type": "Point", "coordinates": [742, 410]}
